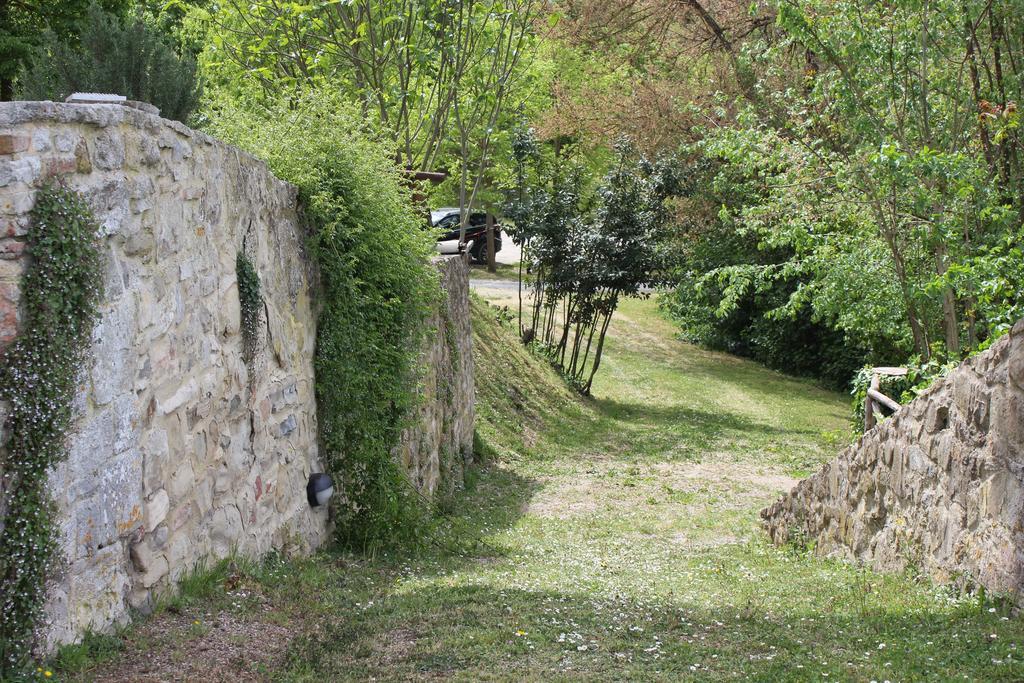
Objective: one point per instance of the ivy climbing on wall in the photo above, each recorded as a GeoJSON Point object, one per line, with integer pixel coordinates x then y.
{"type": "Point", "coordinates": [376, 292]}
{"type": "Point", "coordinates": [251, 304]}
{"type": "Point", "coordinates": [60, 293]}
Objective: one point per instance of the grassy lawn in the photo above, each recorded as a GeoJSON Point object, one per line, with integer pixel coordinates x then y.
{"type": "Point", "coordinates": [609, 539]}
{"type": "Point", "coordinates": [503, 271]}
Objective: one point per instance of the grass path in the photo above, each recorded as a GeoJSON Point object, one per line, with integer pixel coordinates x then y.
{"type": "Point", "coordinates": [608, 539]}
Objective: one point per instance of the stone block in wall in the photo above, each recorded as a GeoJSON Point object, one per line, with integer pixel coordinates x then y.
{"type": "Point", "coordinates": [434, 450]}
{"type": "Point", "coordinates": [157, 507]}
{"type": "Point", "coordinates": [945, 476]}
{"type": "Point", "coordinates": [167, 438]}
{"type": "Point", "coordinates": [10, 144]}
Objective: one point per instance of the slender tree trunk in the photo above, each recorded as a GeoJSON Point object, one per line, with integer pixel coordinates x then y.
{"type": "Point", "coordinates": [925, 123]}
{"type": "Point", "coordinates": [949, 318]}
{"type": "Point", "coordinates": [972, 323]}
{"type": "Point", "coordinates": [592, 328]}
{"type": "Point", "coordinates": [600, 344]}
{"type": "Point", "coordinates": [888, 228]}
{"type": "Point", "coordinates": [538, 301]}
{"type": "Point", "coordinates": [972, 63]}
{"type": "Point", "coordinates": [917, 329]}
{"type": "Point", "coordinates": [491, 264]}
{"type": "Point", "coordinates": [549, 330]}
{"type": "Point", "coordinates": [1006, 146]}
{"type": "Point", "coordinates": [570, 307]}
{"type": "Point", "coordinates": [546, 323]}
{"type": "Point", "coordinates": [519, 288]}
{"type": "Point", "coordinates": [581, 329]}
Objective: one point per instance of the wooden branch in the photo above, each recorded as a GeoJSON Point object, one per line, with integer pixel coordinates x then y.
{"type": "Point", "coordinates": [890, 372]}
{"type": "Point", "coordinates": [883, 399]}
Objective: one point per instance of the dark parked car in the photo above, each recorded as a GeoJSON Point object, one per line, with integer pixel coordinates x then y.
{"type": "Point", "coordinates": [447, 221]}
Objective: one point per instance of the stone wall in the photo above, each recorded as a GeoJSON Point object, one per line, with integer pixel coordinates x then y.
{"type": "Point", "coordinates": [180, 451]}
{"type": "Point", "coordinates": [940, 485]}
{"type": "Point", "coordinates": [439, 443]}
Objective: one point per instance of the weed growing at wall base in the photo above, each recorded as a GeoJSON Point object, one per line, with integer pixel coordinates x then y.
{"type": "Point", "coordinates": [60, 292]}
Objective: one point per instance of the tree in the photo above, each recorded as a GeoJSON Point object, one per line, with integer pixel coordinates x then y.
{"type": "Point", "coordinates": [482, 95]}
{"type": "Point", "coordinates": [23, 22]}
{"type": "Point", "coordinates": [882, 141]}
{"type": "Point", "coordinates": [127, 57]}
{"type": "Point", "coordinates": [404, 61]}
{"type": "Point", "coordinates": [584, 261]}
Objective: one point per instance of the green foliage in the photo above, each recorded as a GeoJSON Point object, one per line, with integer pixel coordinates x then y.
{"type": "Point", "coordinates": [376, 290]}
{"type": "Point", "coordinates": [861, 170]}
{"type": "Point", "coordinates": [732, 292]}
{"type": "Point", "coordinates": [993, 279]}
{"type": "Point", "coordinates": [199, 584]}
{"type": "Point", "coordinates": [23, 23]}
{"type": "Point", "coordinates": [251, 305]}
{"type": "Point", "coordinates": [94, 649]}
{"type": "Point", "coordinates": [129, 57]}
{"type": "Point", "coordinates": [920, 375]}
{"type": "Point", "coordinates": [584, 255]}
{"type": "Point", "coordinates": [37, 379]}
{"type": "Point", "coordinates": [418, 69]}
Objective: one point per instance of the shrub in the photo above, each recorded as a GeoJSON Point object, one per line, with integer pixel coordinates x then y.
{"type": "Point", "coordinates": [375, 293]}
{"type": "Point", "coordinates": [128, 58]}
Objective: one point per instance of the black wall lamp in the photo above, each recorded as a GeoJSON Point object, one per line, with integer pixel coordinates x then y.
{"type": "Point", "coordinates": [319, 489]}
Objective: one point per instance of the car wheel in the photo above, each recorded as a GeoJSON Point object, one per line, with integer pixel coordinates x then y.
{"type": "Point", "coordinates": [480, 253]}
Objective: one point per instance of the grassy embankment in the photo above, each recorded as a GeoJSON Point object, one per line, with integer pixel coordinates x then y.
{"type": "Point", "coordinates": [608, 539]}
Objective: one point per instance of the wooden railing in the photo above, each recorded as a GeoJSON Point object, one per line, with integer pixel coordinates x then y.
{"type": "Point", "coordinates": [875, 398]}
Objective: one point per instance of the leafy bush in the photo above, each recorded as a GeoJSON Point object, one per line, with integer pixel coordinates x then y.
{"type": "Point", "coordinates": [993, 280]}
{"type": "Point", "coordinates": [376, 289]}
{"type": "Point", "coordinates": [793, 344]}
{"type": "Point", "coordinates": [128, 58]}
{"type": "Point", "coordinates": [732, 292]}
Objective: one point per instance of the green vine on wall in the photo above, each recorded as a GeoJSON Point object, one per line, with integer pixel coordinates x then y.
{"type": "Point", "coordinates": [60, 292]}
{"type": "Point", "coordinates": [376, 291]}
{"type": "Point", "coordinates": [250, 299]}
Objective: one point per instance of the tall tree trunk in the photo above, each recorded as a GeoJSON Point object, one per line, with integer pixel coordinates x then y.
{"type": "Point", "coordinates": [886, 218]}
{"type": "Point", "coordinates": [972, 63]}
{"type": "Point", "coordinates": [491, 264]}
{"type": "Point", "coordinates": [563, 342]}
{"type": "Point", "coordinates": [600, 344]}
{"type": "Point", "coordinates": [519, 289]}
{"type": "Point", "coordinates": [538, 302]}
{"type": "Point", "coordinates": [949, 317]}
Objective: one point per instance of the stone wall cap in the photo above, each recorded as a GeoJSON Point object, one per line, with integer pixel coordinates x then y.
{"type": "Point", "coordinates": [110, 114]}
{"type": "Point", "coordinates": [94, 98]}
{"type": "Point", "coordinates": [104, 98]}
